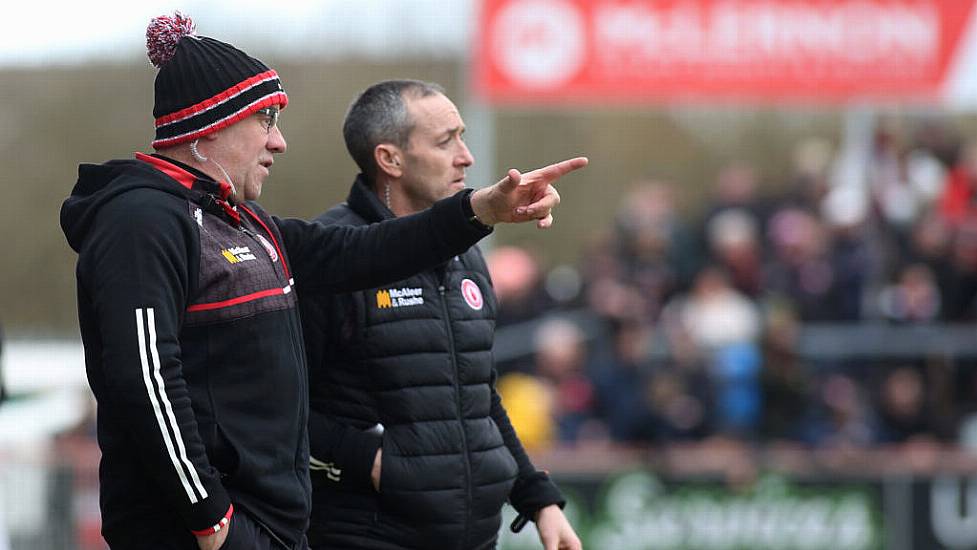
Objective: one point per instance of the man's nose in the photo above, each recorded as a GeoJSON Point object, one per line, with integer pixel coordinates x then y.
{"type": "Point", "coordinates": [465, 158]}
{"type": "Point", "coordinates": [276, 141]}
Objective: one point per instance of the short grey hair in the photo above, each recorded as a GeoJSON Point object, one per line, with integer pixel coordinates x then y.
{"type": "Point", "coordinates": [379, 115]}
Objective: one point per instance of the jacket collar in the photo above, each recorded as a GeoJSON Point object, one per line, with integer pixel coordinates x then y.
{"type": "Point", "coordinates": [365, 202]}
{"type": "Point", "coordinates": [187, 176]}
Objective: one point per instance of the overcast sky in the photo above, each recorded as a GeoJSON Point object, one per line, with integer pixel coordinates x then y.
{"type": "Point", "coordinates": [44, 31]}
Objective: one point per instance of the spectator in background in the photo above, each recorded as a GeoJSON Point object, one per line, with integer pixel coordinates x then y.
{"type": "Point", "coordinates": [681, 404]}
{"type": "Point", "coordinates": [603, 278]}
{"type": "Point", "coordinates": [737, 186]}
{"type": "Point", "coordinates": [895, 198]}
{"type": "Point", "coordinates": [913, 298]}
{"type": "Point", "coordinates": [785, 381]}
{"type": "Point", "coordinates": [655, 249]}
{"type": "Point", "coordinates": [735, 246]}
{"type": "Point", "coordinates": [529, 402]}
{"type": "Point", "coordinates": [925, 171]}
{"type": "Point", "coordinates": [935, 137]}
{"type": "Point", "coordinates": [843, 416]}
{"type": "Point", "coordinates": [904, 411]}
{"type": "Point", "coordinates": [601, 257]}
{"type": "Point", "coordinates": [561, 354]}
{"type": "Point", "coordinates": [855, 263]}
{"type": "Point", "coordinates": [682, 391]}
{"type": "Point", "coordinates": [622, 383]}
{"type": "Point", "coordinates": [800, 270]}
{"type": "Point", "coordinates": [929, 245]}
{"type": "Point", "coordinates": [630, 272]}
{"type": "Point", "coordinates": [902, 185]}
{"type": "Point", "coordinates": [616, 301]}
{"type": "Point", "coordinates": [517, 282]}
{"type": "Point", "coordinates": [809, 184]}
{"type": "Point", "coordinates": [714, 314]}
{"type": "Point", "coordinates": [735, 374]}
{"type": "Point", "coordinates": [725, 325]}
{"type": "Point", "coordinates": [613, 260]}
{"type": "Point", "coordinates": [516, 279]}
{"type": "Point", "coordinates": [959, 197]}
{"type": "Point", "coordinates": [961, 281]}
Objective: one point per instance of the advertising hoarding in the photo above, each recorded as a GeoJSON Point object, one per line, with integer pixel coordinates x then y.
{"type": "Point", "coordinates": [809, 51]}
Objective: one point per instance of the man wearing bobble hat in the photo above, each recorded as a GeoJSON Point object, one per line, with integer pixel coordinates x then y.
{"type": "Point", "coordinates": [193, 344]}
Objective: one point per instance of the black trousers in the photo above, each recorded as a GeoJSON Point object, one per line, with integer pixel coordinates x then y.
{"type": "Point", "coordinates": [244, 533]}
{"type": "Point", "coordinates": [247, 534]}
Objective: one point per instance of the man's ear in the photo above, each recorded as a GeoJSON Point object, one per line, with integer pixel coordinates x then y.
{"type": "Point", "coordinates": [388, 158]}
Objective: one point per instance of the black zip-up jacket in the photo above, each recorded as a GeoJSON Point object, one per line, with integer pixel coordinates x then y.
{"type": "Point", "coordinates": [414, 356]}
{"type": "Point", "coordinates": [193, 344]}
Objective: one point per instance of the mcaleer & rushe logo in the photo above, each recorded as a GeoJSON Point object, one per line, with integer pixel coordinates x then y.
{"type": "Point", "coordinates": [399, 297]}
{"type": "Point", "coordinates": [237, 254]}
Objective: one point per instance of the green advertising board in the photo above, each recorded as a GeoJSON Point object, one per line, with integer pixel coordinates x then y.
{"type": "Point", "coordinates": [639, 511]}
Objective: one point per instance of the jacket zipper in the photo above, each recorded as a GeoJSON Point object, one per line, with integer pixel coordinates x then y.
{"type": "Point", "coordinates": [461, 418]}
{"type": "Point", "coordinates": [254, 238]}
{"type": "Point", "coordinates": [261, 245]}
{"type": "Point", "coordinates": [303, 376]}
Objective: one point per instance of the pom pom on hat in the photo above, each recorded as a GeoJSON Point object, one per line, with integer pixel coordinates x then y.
{"type": "Point", "coordinates": [163, 34]}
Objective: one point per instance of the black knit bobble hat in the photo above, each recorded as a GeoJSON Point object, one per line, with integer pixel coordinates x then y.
{"type": "Point", "coordinates": [203, 84]}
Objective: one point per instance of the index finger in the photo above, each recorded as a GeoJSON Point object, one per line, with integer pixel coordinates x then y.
{"type": "Point", "coordinates": [560, 169]}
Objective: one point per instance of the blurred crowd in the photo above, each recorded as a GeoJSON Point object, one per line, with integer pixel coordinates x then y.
{"type": "Point", "coordinates": [700, 310]}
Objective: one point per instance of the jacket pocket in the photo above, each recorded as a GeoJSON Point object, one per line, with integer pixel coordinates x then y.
{"type": "Point", "coordinates": [220, 450]}
{"type": "Point", "coordinates": [416, 492]}
{"type": "Point", "coordinates": [384, 463]}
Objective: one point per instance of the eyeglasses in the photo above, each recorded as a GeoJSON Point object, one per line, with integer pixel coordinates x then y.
{"type": "Point", "coordinates": [269, 117]}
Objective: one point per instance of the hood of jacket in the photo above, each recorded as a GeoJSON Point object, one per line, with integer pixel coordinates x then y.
{"type": "Point", "coordinates": [100, 183]}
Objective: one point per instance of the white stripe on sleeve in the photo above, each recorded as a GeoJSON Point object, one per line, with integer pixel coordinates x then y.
{"type": "Point", "coordinates": [151, 320]}
{"type": "Point", "coordinates": [141, 332]}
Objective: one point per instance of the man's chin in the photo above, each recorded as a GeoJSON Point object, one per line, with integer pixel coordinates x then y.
{"type": "Point", "coordinates": [252, 191]}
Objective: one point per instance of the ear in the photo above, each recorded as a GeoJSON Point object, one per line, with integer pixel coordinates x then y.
{"type": "Point", "coordinates": [389, 160]}
{"type": "Point", "coordinates": [213, 136]}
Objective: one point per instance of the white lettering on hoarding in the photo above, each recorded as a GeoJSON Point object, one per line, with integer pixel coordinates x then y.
{"type": "Point", "coordinates": [953, 527]}
{"type": "Point", "coordinates": [766, 37]}
{"type": "Point", "coordinates": [768, 50]}
{"type": "Point", "coordinates": [640, 514]}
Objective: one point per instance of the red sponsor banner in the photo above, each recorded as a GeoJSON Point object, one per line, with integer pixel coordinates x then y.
{"type": "Point", "coordinates": [822, 51]}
